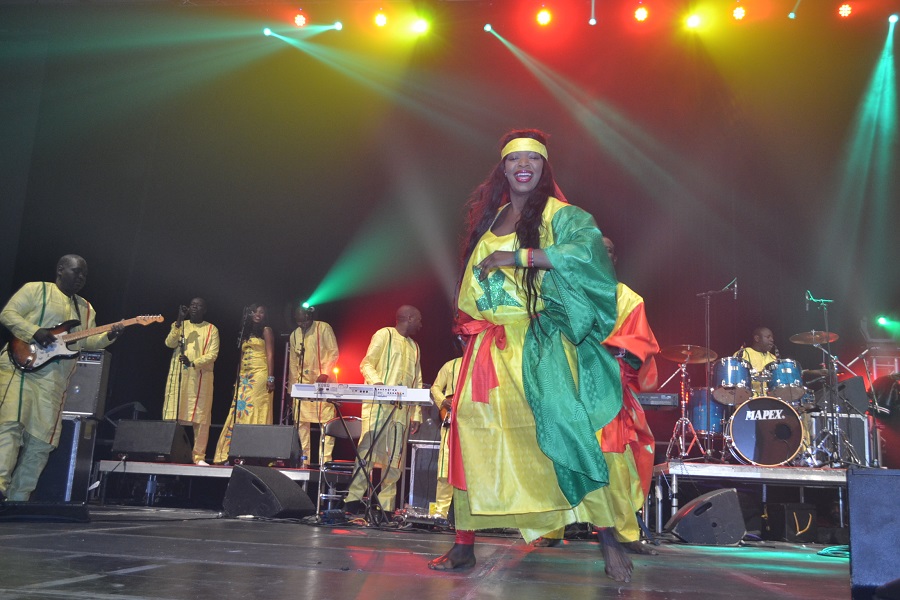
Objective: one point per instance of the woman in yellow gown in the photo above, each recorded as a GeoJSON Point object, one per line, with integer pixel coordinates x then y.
{"type": "Point", "coordinates": [252, 403]}
{"type": "Point", "coordinates": [536, 300]}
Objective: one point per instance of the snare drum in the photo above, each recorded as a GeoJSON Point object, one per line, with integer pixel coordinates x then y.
{"type": "Point", "coordinates": [697, 413]}
{"type": "Point", "coordinates": [785, 381]}
{"type": "Point", "coordinates": [732, 381]}
{"type": "Point", "coordinates": [765, 431]}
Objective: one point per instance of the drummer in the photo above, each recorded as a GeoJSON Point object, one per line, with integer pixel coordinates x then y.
{"type": "Point", "coordinates": [761, 353]}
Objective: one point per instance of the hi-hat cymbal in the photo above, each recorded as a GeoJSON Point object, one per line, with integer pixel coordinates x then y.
{"type": "Point", "coordinates": [688, 353]}
{"type": "Point", "coordinates": [814, 337]}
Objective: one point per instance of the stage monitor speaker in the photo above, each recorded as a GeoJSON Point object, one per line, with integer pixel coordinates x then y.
{"type": "Point", "coordinates": [86, 392]}
{"type": "Point", "coordinates": [67, 475]}
{"type": "Point", "coordinates": [53, 512]}
{"type": "Point", "coordinates": [265, 492]}
{"type": "Point", "coordinates": [265, 444]}
{"type": "Point", "coordinates": [152, 441]}
{"type": "Point", "coordinates": [874, 528]}
{"type": "Point", "coordinates": [713, 519]}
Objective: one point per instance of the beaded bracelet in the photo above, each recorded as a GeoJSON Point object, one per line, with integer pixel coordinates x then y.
{"type": "Point", "coordinates": [531, 258]}
{"type": "Point", "coordinates": [516, 260]}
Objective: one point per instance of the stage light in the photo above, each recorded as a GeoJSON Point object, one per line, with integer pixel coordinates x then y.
{"type": "Point", "coordinates": [267, 31]}
{"type": "Point", "coordinates": [882, 321]}
{"type": "Point", "coordinates": [893, 19]}
{"type": "Point", "coordinates": [792, 15]}
{"type": "Point", "coordinates": [487, 27]}
{"type": "Point", "coordinates": [300, 19]}
{"type": "Point", "coordinates": [544, 17]}
{"type": "Point", "coordinates": [739, 13]}
{"type": "Point", "coordinates": [592, 21]}
{"type": "Point", "coordinates": [420, 26]}
{"type": "Point", "coordinates": [844, 10]}
{"type": "Point", "coordinates": [305, 305]}
{"type": "Point", "coordinates": [693, 21]}
{"type": "Point", "coordinates": [641, 14]}
{"type": "Point", "coordinates": [338, 25]}
{"type": "Point", "coordinates": [381, 19]}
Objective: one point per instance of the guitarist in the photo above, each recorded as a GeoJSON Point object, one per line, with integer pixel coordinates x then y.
{"type": "Point", "coordinates": [442, 393]}
{"type": "Point", "coordinates": [31, 401]}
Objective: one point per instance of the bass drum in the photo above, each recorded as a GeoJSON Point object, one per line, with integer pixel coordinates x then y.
{"type": "Point", "coordinates": [765, 431]}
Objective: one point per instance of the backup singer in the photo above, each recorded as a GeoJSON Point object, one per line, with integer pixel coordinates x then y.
{"type": "Point", "coordinates": [536, 300]}
{"type": "Point", "coordinates": [314, 343]}
{"type": "Point", "coordinates": [252, 403]}
{"type": "Point", "coordinates": [189, 387]}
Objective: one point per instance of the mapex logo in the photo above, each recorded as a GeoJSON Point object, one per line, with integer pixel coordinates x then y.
{"type": "Point", "coordinates": [764, 415]}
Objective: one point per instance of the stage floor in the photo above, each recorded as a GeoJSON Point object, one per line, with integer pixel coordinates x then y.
{"type": "Point", "coordinates": [139, 553]}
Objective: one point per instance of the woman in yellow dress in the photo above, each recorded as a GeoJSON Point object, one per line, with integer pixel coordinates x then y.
{"type": "Point", "coordinates": [536, 300]}
{"type": "Point", "coordinates": [252, 403]}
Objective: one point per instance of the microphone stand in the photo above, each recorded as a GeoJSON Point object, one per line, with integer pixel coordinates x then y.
{"type": "Point", "coordinates": [731, 286]}
{"type": "Point", "coordinates": [181, 345]}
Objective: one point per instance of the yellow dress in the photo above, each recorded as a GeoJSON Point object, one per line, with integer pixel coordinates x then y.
{"type": "Point", "coordinates": [510, 481]}
{"type": "Point", "coordinates": [253, 405]}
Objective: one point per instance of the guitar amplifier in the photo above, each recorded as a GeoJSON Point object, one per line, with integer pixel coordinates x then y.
{"type": "Point", "coordinates": [86, 393]}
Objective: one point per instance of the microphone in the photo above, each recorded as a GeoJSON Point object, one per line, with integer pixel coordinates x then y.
{"type": "Point", "coordinates": [735, 288]}
{"type": "Point", "coordinates": [807, 300]}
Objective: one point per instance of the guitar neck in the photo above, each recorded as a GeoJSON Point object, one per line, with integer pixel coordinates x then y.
{"type": "Point", "coordinates": [80, 335]}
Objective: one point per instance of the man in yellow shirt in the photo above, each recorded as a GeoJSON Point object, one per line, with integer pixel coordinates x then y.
{"type": "Point", "coordinates": [314, 344]}
{"type": "Point", "coordinates": [31, 401]}
{"type": "Point", "coordinates": [391, 359]}
{"type": "Point", "coordinates": [189, 387]}
{"type": "Point", "coordinates": [759, 354]}
{"type": "Point", "coordinates": [442, 393]}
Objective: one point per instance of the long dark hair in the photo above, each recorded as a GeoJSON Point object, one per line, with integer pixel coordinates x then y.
{"type": "Point", "coordinates": [493, 193]}
{"type": "Point", "coordinates": [251, 328]}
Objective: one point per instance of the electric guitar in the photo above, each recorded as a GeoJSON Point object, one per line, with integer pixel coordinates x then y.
{"type": "Point", "coordinates": [32, 356]}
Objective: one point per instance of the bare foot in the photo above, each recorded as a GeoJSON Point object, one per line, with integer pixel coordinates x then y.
{"type": "Point", "coordinates": [460, 556]}
{"type": "Point", "coordinates": [618, 565]}
{"type": "Point", "coordinates": [639, 547]}
{"type": "Point", "coordinates": [543, 542]}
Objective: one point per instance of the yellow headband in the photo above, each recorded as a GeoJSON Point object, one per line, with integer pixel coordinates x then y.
{"type": "Point", "coordinates": [524, 145]}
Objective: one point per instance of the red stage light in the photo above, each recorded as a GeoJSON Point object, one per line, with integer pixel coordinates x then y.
{"type": "Point", "coordinates": [641, 14]}
{"type": "Point", "coordinates": [300, 19]}
{"type": "Point", "coordinates": [845, 9]}
{"type": "Point", "coordinates": [544, 17]}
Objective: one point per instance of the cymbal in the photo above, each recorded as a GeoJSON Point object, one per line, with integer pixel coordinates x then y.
{"type": "Point", "coordinates": [814, 337]}
{"type": "Point", "coordinates": [688, 353]}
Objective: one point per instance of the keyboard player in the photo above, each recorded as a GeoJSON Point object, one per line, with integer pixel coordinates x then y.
{"type": "Point", "coordinates": [391, 359]}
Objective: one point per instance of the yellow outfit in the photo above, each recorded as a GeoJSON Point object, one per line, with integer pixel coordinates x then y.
{"type": "Point", "coordinates": [392, 359]}
{"type": "Point", "coordinates": [320, 355]}
{"type": "Point", "coordinates": [31, 402]}
{"type": "Point", "coordinates": [510, 481]}
{"type": "Point", "coordinates": [253, 404]}
{"type": "Point", "coordinates": [194, 403]}
{"type": "Point", "coordinates": [443, 386]}
{"type": "Point", "coordinates": [758, 362]}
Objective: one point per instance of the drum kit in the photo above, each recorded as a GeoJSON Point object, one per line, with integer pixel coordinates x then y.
{"type": "Point", "coordinates": [763, 418]}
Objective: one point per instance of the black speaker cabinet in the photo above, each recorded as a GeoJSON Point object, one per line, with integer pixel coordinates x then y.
{"type": "Point", "coordinates": [152, 441]}
{"type": "Point", "coordinates": [430, 429]}
{"type": "Point", "coordinates": [874, 528]}
{"type": "Point", "coordinates": [265, 444]}
{"type": "Point", "coordinates": [86, 392]}
{"type": "Point", "coordinates": [713, 519]}
{"type": "Point", "coordinates": [68, 472]}
{"type": "Point", "coordinates": [265, 492]}
{"type": "Point", "coordinates": [423, 474]}
{"type": "Point", "coordinates": [791, 522]}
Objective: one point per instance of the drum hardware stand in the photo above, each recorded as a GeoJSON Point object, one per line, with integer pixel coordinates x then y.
{"type": "Point", "coordinates": [833, 442]}
{"type": "Point", "coordinates": [683, 427]}
{"type": "Point", "coordinates": [731, 286]}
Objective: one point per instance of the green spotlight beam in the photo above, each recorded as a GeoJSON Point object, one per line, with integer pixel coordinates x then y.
{"type": "Point", "coordinates": [395, 84]}
{"type": "Point", "coordinates": [866, 187]}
